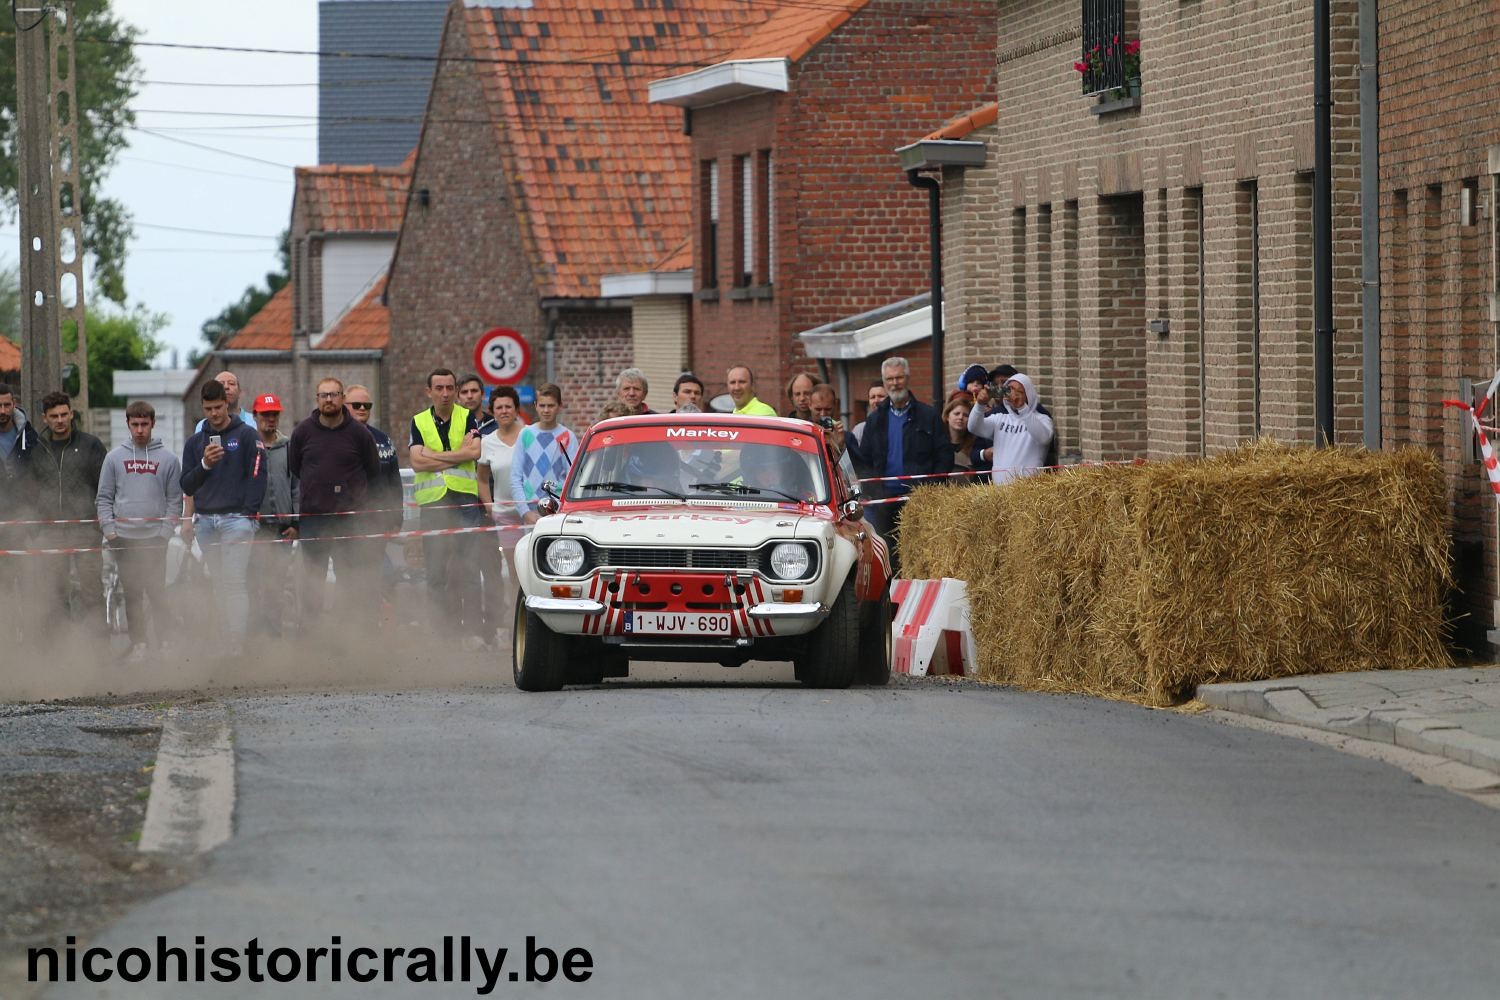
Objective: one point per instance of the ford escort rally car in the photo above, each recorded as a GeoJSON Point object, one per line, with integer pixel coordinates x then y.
{"type": "Point", "coordinates": [702, 538]}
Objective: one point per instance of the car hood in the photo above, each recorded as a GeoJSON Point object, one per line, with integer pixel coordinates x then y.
{"type": "Point", "coordinates": [691, 524]}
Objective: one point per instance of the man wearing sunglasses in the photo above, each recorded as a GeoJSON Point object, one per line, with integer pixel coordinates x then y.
{"type": "Point", "coordinates": [385, 488]}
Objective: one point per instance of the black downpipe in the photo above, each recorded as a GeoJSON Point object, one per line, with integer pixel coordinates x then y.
{"type": "Point", "coordinates": [1322, 230]}
{"type": "Point", "coordinates": [935, 237]}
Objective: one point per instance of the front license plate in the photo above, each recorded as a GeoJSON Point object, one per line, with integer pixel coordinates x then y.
{"type": "Point", "coordinates": [677, 623]}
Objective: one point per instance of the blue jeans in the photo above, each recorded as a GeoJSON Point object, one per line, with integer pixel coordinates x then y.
{"type": "Point", "coordinates": [225, 540]}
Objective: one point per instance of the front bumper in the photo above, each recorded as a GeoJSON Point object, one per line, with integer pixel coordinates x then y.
{"type": "Point", "coordinates": [756, 608]}
{"type": "Point", "coordinates": [563, 606]}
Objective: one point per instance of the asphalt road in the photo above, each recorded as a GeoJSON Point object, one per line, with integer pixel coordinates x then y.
{"type": "Point", "coordinates": [923, 840]}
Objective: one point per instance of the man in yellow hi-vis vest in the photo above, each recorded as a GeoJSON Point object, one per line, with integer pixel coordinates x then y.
{"type": "Point", "coordinates": [444, 447]}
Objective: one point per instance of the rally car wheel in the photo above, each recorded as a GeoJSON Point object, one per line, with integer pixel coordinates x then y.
{"type": "Point", "coordinates": [832, 653]}
{"type": "Point", "coordinates": [538, 654]}
{"type": "Point", "coordinates": [875, 640]}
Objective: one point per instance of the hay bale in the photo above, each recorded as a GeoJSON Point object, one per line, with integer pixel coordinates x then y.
{"type": "Point", "coordinates": [943, 527]}
{"type": "Point", "coordinates": [1142, 582]}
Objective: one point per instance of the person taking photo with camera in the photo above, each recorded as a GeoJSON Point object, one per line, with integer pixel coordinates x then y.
{"type": "Point", "coordinates": [1020, 430]}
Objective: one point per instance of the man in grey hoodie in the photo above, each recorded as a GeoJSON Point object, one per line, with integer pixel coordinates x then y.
{"type": "Point", "coordinates": [139, 503]}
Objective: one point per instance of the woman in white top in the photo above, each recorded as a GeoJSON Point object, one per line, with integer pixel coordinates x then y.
{"type": "Point", "coordinates": [495, 451]}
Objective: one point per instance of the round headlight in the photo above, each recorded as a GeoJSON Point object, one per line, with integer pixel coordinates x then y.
{"type": "Point", "coordinates": [565, 557]}
{"type": "Point", "coordinates": [789, 561]}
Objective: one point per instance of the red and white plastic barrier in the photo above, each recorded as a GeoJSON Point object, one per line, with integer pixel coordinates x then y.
{"type": "Point", "coordinates": [931, 634]}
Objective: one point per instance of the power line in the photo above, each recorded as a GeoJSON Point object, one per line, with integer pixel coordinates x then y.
{"type": "Point", "coordinates": [206, 170]}
{"type": "Point", "coordinates": [206, 232]}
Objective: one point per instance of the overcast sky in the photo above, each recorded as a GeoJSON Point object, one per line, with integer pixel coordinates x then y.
{"type": "Point", "coordinates": [164, 183]}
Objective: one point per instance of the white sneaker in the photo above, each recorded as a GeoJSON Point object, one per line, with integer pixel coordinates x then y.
{"type": "Point", "coordinates": [137, 653]}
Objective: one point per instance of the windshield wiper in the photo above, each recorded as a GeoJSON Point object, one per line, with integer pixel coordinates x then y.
{"type": "Point", "coordinates": [742, 490]}
{"type": "Point", "coordinates": [615, 486]}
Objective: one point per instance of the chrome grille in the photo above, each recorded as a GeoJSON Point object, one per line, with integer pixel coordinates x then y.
{"type": "Point", "coordinates": [676, 558]}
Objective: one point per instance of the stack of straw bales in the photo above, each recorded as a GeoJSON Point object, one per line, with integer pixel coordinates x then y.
{"type": "Point", "coordinates": [1142, 582]}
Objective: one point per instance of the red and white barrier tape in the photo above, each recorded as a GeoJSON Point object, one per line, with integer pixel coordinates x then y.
{"type": "Point", "coordinates": [388, 535]}
{"type": "Point", "coordinates": [1486, 452]}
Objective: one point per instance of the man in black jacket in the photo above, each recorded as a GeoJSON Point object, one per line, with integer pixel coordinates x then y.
{"type": "Point", "coordinates": [64, 479]}
{"type": "Point", "coordinates": [333, 458]}
{"type": "Point", "coordinates": [903, 437]}
{"type": "Point", "coordinates": [18, 442]}
{"type": "Point", "coordinates": [224, 471]}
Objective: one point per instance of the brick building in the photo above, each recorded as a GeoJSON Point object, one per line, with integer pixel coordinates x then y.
{"type": "Point", "coordinates": [541, 170]}
{"type": "Point", "coordinates": [1440, 283]}
{"type": "Point", "coordinates": [799, 217]}
{"type": "Point", "coordinates": [1148, 259]}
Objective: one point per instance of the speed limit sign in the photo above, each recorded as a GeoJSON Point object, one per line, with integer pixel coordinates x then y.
{"type": "Point", "coordinates": [502, 357]}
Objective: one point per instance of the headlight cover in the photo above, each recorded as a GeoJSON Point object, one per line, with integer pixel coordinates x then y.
{"type": "Point", "coordinates": [565, 557]}
{"type": "Point", "coordinates": [789, 561]}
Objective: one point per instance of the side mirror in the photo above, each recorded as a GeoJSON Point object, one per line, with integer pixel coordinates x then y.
{"type": "Point", "coordinates": [853, 510]}
{"type": "Point", "coordinates": [549, 501]}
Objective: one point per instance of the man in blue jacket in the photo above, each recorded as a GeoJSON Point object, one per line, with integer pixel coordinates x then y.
{"type": "Point", "coordinates": [903, 437]}
{"type": "Point", "coordinates": [224, 471]}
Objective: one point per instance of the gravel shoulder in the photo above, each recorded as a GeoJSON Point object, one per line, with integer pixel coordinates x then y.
{"type": "Point", "coordinates": [74, 781]}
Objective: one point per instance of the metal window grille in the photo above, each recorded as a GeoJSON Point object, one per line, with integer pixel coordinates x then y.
{"type": "Point", "coordinates": [1103, 45]}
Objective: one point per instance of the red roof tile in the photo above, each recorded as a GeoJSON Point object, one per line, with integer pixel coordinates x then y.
{"type": "Point", "coordinates": [270, 329]}
{"type": "Point", "coordinates": [792, 32]}
{"type": "Point", "coordinates": [602, 176]}
{"type": "Point", "coordinates": [366, 326]}
{"type": "Point", "coordinates": [10, 356]}
{"type": "Point", "coordinates": [966, 124]}
{"type": "Point", "coordinates": [342, 199]}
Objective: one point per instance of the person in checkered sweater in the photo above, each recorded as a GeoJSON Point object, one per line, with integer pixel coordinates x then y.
{"type": "Point", "coordinates": [545, 450]}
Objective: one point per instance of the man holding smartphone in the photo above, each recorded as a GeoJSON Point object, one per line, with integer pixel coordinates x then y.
{"type": "Point", "coordinates": [224, 471]}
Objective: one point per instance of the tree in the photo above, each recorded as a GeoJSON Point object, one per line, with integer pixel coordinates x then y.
{"type": "Point", "coordinates": [107, 78]}
{"type": "Point", "coordinates": [10, 301]}
{"type": "Point", "coordinates": [117, 341]}
{"type": "Point", "coordinates": [235, 315]}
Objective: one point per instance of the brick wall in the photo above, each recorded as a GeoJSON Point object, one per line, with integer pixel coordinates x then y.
{"type": "Point", "coordinates": [461, 266]}
{"type": "Point", "coordinates": [851, 233]}
{"type": "Point", "coordinates": [590, 348]}
{"type": "Point", "coordinates": [1034, 239]}
{"type": "Point", "coordinates": [1439, 116]}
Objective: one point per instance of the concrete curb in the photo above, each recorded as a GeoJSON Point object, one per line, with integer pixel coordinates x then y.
{"type": "Point", "coordinates": [192, 789]}
{"type": "Point", "coordinates": [1287, 702]}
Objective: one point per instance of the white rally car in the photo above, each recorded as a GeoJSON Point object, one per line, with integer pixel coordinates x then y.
{"type": "Point", "coordinates": [702, 538]}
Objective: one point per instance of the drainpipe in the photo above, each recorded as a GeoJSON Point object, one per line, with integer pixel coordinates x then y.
{"type": "Point", "coordinates": [1322, 230]}
{"type": "Point", "coordinates": [553, 315]}
{"type": "Point", "coordinates": [935, 238]}
{"type": "Point", "coordinates": [1369, 223]}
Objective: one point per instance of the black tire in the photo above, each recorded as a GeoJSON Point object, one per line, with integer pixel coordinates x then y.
{"type": "Point", "coordinates": [539, 655]}
{"type": "Point", "coordinates": [593, 664]}
{"type": "Point", "coordinates": [831, 655]}
{"type": "Point", "coordinates": [875, 640]}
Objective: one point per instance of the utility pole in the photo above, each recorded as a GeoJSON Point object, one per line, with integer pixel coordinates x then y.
{"type": "Point", "coordinates": [50, 195]}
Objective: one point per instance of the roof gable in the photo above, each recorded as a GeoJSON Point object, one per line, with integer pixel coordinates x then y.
{"type": "Point", "coordinates": [10, 355]}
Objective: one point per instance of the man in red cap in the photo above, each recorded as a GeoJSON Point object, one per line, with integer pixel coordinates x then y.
{"type": "Point", "coordinates": [271, 562]}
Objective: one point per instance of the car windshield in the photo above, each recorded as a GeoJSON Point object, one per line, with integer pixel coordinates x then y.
{"type": "Point", "coordinates": [699, 461]}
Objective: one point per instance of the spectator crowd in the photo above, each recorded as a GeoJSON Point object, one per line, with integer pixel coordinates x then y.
{"type": "Point", "coordinates": [277, 514]}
